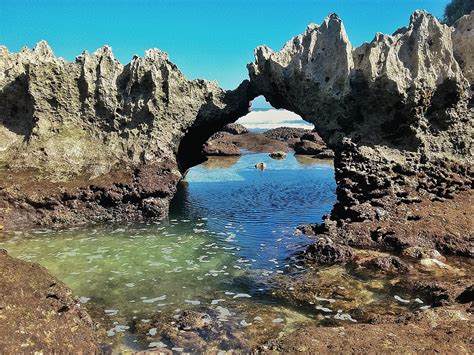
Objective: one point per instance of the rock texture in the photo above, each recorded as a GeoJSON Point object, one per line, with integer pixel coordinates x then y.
{"type": "Point", "coordinates": [463, 45]}
{"type": "Point", "coordinates": [65, 121]}
{"type": "Point", "coordinates": [39, 314]}
{"type": "Point", "coordinates": [396, 111]}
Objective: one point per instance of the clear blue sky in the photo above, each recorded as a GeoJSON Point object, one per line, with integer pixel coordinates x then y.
{"type": "Point", "coordinates": [209, 39]}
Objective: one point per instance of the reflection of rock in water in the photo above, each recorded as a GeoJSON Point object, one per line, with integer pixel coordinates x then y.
{"type": "Point", "coordinates": [310, 160]}
{"type": "Point", "coordinates": [220, 162]}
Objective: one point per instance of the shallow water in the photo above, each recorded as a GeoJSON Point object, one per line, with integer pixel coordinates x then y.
{"type": "Point", "coordinates": [230, 232]}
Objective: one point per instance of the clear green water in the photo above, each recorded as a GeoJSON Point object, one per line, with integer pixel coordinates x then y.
{"type": "Point", "coordinates": [230, 232]}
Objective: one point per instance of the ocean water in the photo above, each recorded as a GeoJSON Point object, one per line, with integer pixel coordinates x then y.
{"type": "Point", "coordinates": [229, 235]}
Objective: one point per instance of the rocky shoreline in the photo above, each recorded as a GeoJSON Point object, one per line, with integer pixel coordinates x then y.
{"type": "Point", "coordinates": [96, 140]}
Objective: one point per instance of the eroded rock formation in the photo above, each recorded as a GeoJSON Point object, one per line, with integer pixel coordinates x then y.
{"type": "Point", "coordinates": [104, 138]}
{"type": "Point", "coordinates": [397, 112]}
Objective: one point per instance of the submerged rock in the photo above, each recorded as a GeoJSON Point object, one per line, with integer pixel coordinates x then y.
{"type": "Point", "coordinates": [388, 264]}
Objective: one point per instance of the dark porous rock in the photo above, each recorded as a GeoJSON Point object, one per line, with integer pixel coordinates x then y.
{"type": "Point", "coordinates": [467, 295]}
{"type": "Point", "coordinates": [326, 252]}
{"type": "Point", "coordinates": [39, 314]}
{"type": "Point", "coordinates": [437, 293]}
{"type": "Point", "coordinates": [286, 134]}
{"type": "Point", "coordinates": [388, 264]}
{"type": "Point", "coordinates": [313, 137]}
{"type": "Point", "coordinates": [278, 155]}
{"type": "Point", "coordinates": [306, 147]}
{"type": "Point", "coordinates": [220, 148]}
{"type": "Point", "coordinates": [235, 128]}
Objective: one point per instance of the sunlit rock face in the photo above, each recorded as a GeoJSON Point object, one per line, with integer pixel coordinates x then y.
{"type": "Point", "coordinates": [395, 110]}
{"type": "Point", "coordinates": [83, 120]}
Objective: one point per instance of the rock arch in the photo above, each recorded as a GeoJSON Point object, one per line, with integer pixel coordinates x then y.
{"type": "Point", "coordinates": [396, 111]}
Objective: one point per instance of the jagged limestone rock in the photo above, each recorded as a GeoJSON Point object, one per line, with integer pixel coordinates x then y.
{"type": "Point", "coordinates": [398, 102]}
{"type": "Point", "coordinates": [463, 44]}
{"type": "Point", "coordinates": [67, 121]}
{"type": "Point", "coordinates": [396, 111]}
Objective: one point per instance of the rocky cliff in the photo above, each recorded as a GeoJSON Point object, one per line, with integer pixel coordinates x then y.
{"type": "Point", "coordinates": [96, 139]}
{"type": "Point", "coordinates": [398, 113]}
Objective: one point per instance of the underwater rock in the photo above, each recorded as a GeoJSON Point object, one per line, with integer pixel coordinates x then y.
{"type": "Point", "coordinates": [192, 320]}
{"type": "Point", "coordinates": [388, 264]}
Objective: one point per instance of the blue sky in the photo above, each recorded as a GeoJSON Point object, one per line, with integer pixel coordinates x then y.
{"type": "Point", "coordinates": [209, 39]}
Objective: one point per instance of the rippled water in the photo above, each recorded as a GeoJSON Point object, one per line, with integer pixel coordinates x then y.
{"type": "Point", "coordinates": [231, 228]}
{"type": "Point", "coordinates": [229, 234]}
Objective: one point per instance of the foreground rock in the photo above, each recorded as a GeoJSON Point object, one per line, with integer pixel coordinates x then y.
{"type": "Point", "coordinates": [69, 125]}
{"type": "Point", "coordinates": [436, 331]}
{"type": "Point", "coordinates": [398, 114]}
{"type": "Point", "coordinates": [39, 314]}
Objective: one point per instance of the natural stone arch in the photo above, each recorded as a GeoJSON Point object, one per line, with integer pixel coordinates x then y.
{"type": "Point", "coordinates": [395, 111]}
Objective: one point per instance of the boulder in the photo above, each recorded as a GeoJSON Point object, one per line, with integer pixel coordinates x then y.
{"type": "Point", "coordinates": [235, 128]}
{"type": "Point", "coordinates": [220, 148]}
{"type": "Point", "coordinates": [326, 252]}
{"type": "Point", "coordinates": [278, 155]}
{"type": "Point", "coordinates": [306, 147]}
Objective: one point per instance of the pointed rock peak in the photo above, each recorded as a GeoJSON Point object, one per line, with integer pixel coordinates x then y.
{"type": "Point", "coordinates": [311, 28]}
{"type": "Point", "coordinates": [156, 54]}
{"type": "Point", "coordinates": [43, 49]}
{"type": "Point", "coordinates": [333, 16]}
{"type": "Point", "coordinates": [105, 51]}
{"type": "Point", "coordinates": [262, 52]}
{"type": "Point", "coordinates": [420, 16]}
{"type": "Point", "coordinates": [331, 20]}
{"type": "Point", "coordinates": [3, 50]}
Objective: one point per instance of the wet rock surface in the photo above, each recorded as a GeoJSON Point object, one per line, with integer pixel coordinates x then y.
{"type": "Point", "coordinates": [39, 314]}
{"type": "Point", "coordinates": [433, 332]}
